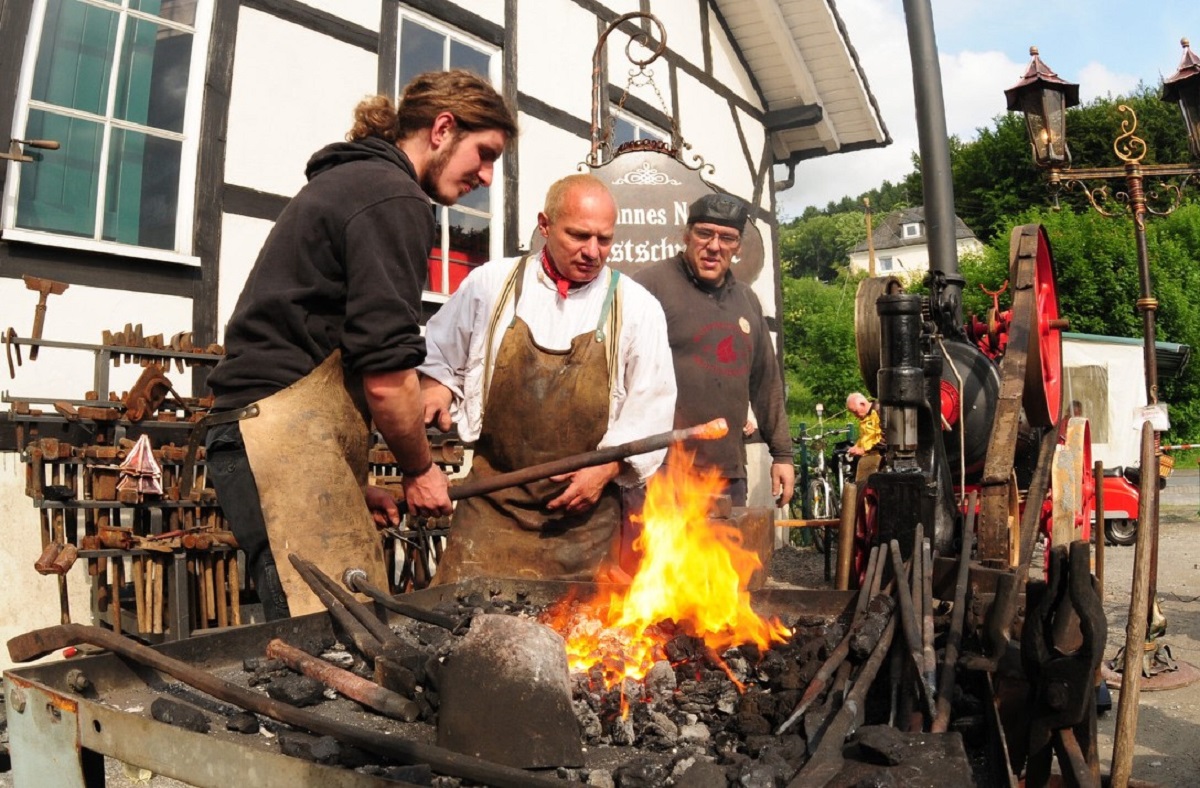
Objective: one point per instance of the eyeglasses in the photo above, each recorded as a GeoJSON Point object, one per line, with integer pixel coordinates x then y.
{"type": "Point", "coordinates": [705, 235]}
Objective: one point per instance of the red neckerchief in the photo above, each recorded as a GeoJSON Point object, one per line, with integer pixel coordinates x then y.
{"type": "Point", "coordinates": [561, 283]}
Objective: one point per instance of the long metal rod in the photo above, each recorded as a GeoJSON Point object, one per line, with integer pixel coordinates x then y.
{"type": "Point", "coordinates": [941, 720]}
{"type": "Point", "coordinates": [839, 654]}
{"type": "Point", "coordinates": [361, 637]}
{"type": "Point", "coordinates": [40, 642]}
{"type": "Point", "coordinates": [317, 580]}
{"type": "Point", "coordinates": [356, 580]}
{"type": "Point", "coordinates": [713, 430]}
{"type": "Point", "coordinates": [353, 686]}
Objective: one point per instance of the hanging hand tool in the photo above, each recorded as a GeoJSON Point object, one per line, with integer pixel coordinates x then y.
{"type": "Point", "coordinates": [10, 346]}
{"type": "Point", "coordinates": [44, 288]}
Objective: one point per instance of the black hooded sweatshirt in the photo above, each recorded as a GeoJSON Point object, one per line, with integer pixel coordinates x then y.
{"type": "Point", "coordinates": [344, 267]}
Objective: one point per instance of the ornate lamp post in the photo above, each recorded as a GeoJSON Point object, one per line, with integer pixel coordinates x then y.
{"type": "Point", "coordinates": [1045, 98]}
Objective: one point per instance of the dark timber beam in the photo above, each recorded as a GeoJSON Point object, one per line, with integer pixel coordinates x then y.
{"type": "Point", "coordinates": [793, 117]}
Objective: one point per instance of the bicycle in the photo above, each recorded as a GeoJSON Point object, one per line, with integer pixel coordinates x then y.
{"type": "Point", "coordinates": [822, 492]}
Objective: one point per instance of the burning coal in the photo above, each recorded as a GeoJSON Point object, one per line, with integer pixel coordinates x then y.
{"type": "Point", "coordinates": [693, 579]}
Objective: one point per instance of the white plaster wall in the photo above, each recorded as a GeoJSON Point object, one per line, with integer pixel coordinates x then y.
{"type": "Point", "coordinates": [555, 57]}
{"type": "Point", "coordinates": [81, 314]}
{"type": "Point", "coordinates": [726, 67]}
{"type": "Point", "coordinates": [683, 30]}
{"type": "Point", "coordinates": [294, 91]}
{"type": "Point", "coordinates": [361, 12]}
{"type": "Point", "coordinates": [547, 154]}
{"type": "Point", "coordinates": [706, 122]}
{"type": "Point", "coordinates": [629, 6]}
{"type": "Point", "coordinates": [241, 238]}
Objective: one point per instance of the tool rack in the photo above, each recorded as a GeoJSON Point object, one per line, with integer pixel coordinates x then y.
{"type": "Point", "coordinates": [161, 566]}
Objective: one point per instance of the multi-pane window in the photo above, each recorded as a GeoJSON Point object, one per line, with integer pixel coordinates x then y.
{"type": "Point", "coordinates": [627, 129]}
{"type": "Point", "coordinates": [464, 229]}
{"type": "Point", "coordinates": [110, 83]}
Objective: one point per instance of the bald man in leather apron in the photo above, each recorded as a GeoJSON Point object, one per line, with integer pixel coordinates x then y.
{"type": "Point", "coordinates": [561, 355]}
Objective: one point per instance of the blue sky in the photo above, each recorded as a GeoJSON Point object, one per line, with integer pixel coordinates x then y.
{"type": "Point", "coordinates": [983, 45]}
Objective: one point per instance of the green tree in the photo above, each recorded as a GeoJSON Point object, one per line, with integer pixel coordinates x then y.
{"type": "Point", "coordinates": [820, 246]}
{"type": "Point", "coordinates": [820, 361]}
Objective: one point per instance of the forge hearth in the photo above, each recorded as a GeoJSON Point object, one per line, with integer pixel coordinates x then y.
{"type": "Point", "coordinates": [686, 717]}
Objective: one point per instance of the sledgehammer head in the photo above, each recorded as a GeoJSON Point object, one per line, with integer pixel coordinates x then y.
{"type": "Point", "coordinates": [44, 287]}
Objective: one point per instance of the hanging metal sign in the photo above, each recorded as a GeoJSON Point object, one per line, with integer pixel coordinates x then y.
{"type": "Point", "coordinates": [653, 191]}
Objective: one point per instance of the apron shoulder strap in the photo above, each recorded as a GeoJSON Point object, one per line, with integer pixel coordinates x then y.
{"type": "Point", "coordinates": [511, 291]}
{"type": "Point", "coordinates": [608, 327]}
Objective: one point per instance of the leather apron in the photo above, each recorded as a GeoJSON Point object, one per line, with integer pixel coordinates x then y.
{"type": "Point", "coordinates": [541, 405]}
{"type": "Point", "coordinates": [307, 449]}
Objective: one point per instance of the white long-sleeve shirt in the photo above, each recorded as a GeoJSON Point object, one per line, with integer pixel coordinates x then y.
{"type": "Point", "coordinates": [643, 393]}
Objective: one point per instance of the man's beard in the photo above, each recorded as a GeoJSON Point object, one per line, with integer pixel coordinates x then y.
{"type": "Point", "coordinates": [433, 173]}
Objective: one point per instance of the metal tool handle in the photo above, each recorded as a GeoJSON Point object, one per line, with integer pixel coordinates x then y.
{"type": "Point", "coordinates": [713, 430]}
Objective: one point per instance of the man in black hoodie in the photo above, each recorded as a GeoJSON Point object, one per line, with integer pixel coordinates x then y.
{"type": "Point", "coordinates": [325, 338]}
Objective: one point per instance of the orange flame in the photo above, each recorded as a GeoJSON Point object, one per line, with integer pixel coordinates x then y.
{"type": "Point", "coordinates": [693, 572]}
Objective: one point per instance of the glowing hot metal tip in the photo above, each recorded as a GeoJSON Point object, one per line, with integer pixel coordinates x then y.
{"type": "Point", "coordinates": [713, 430]}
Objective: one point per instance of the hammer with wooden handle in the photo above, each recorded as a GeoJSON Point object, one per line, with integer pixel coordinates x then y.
{"type": "Point", "coordinates": [44, 288]}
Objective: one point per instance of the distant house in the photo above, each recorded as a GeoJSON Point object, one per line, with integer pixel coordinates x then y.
{"type": "Point", "coordinates": [902, 245]}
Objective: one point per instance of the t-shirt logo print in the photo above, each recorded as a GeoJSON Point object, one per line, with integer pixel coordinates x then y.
{"type": "Point", "coordinates": [722, 348]}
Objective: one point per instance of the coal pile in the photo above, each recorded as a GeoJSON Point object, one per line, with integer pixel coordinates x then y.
{"type": "Point", "coordinates": [686, 723]}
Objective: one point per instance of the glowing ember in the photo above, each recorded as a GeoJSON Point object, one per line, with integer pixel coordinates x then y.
{"type": "Point", "coordinates": [693, 572]}
{"type": "Point", "coordinates": [711, 431]}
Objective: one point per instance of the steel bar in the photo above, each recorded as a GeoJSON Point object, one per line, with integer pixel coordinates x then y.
{"type": "Point", "coordinates": [354, 687]}
{"type": "Point", "coordinates": [717, 428]}
{"type": "Point", "coordinates": [927, 652]}
{"type": "Point", "coordinates": [839, 654]}
{"type": "Point", "coordinates": [827, 761]}
{"type": "Point", "coordinates": [356, 580]}
{"type": "Point", "coordinates": [941, 720]}
{"type": "Point", "coordinates": [359, 635]}
{"type": "Point", "coordinates": [376, 626]}
{"type": "Point", "coordinates": [1098, 533]}
{"type": "Point", "coordinates": [908, 621]}
{"type": "Point", "coordinates": [41, 642]}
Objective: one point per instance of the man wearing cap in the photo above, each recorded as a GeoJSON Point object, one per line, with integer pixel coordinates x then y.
{"type": "Point", "coordinates": [725, 363]}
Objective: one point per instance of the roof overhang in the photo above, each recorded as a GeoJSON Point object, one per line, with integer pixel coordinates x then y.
{"type": "Point", "coordinates": [816, 96]}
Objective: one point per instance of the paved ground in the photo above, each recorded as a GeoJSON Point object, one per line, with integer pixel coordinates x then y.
{"type": "Point", "coordinates": [1168, 733]}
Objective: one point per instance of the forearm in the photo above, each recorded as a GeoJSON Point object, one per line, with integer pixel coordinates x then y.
{"type": "Point", "coordinates": [394, 399]}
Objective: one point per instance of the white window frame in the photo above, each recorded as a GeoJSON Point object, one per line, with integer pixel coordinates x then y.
{"type": "Point", "coordinates": [911, 230]}
{"type": "Point", "coordinates": [495, 192]}
{"type": "Point", "coordinates": [189, 150]}
{"type": "Point", "coordinates": [644, 129]}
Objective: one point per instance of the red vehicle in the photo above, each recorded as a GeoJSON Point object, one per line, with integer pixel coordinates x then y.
{"type": "Point", "coordinates": [1120, 505]}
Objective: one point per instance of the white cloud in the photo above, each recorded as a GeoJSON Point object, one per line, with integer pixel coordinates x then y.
{"type": "Point", "coordinates": [1097, 81]}
{"type": "Point", "coordinates": [973, 86]}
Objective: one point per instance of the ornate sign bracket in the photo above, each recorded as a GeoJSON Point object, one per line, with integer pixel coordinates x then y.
{"type": "Point", "coordinates": [602, 150]}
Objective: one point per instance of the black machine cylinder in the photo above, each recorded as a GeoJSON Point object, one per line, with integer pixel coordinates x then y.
{"type": "Point", "coordinates": [971, 389]}
{"type": "Point", "coordinates": [901, 382]}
